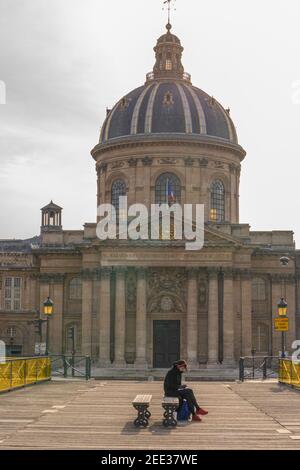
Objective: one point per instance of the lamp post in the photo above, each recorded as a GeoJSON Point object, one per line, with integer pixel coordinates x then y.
{"type": "Point", "coordinates": [48, 311]}
{"type": "Point", "coordinates": [282, 313]}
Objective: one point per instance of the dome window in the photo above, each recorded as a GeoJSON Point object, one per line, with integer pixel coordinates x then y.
{"type": "Point", "coordinates": [168, 99]}
{"type": "Point", "coordinates": [217, 202]}
{"type": "Point", "coordinates": [169, 64]}
{"type": "Point", "coordinates": [118, 189]}
{"type": "Point", "coordinates": [124, 103]}
{"type": "Point", "coordinates": [167, 189]}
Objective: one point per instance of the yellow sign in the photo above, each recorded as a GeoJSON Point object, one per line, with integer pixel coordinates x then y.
{"type": "Point", "coordinates": [282, 324]}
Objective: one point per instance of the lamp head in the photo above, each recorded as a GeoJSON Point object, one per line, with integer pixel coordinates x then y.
{"type": "Point", "coordinates": [48, 306]}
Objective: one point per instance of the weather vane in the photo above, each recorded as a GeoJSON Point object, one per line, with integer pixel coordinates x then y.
{"type": "Point", "coordinates": [169, 8]}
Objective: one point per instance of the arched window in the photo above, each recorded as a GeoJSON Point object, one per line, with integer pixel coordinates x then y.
{"type": "Point", "coordinates": [258, 289]}
{"type": "Point", "coordinates": [167, 189]}
{"type": "Point", "coordinates": [217, 202]}
{"type": "Point", "coordinates": [118, 189]}
{"type": "Point", "coordinates": [75, 289]}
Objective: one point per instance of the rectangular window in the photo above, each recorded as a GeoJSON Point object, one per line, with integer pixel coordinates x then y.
{"type": "Point", "coordinates": [12, 293]}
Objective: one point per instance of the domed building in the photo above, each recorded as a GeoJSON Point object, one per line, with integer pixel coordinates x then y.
{"type": "Point", "coordinates": [141, 304]}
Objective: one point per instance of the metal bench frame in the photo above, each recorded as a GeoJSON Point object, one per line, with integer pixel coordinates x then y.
{"type": "Point", "coordinates": [170, 405]}
{"type": "Point", "coordinates": [141, 403]}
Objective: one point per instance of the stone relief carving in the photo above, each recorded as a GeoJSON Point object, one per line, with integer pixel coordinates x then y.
{"type": "Point", "coordinates": [203, 162]}
{"type": "Point", "coordinates": [189, 161]}
{"type": "Point", "coordinates": [132, 162]}
{"type": "Point", "coordinates": [147, 161]}
{"type": "Point", "coordinates": [164, 282]}
{"type": "Point", "coordinates": [166, 303]}
{"type": "Point", "coordinates": [117, 165]}
{"type": "Point", "coordinates": [130, 291]}
{"type": "Point", "coordinates": [167, 161]}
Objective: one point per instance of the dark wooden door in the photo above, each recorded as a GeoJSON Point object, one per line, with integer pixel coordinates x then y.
{"type": "Point", "coordinates": [166, 343]}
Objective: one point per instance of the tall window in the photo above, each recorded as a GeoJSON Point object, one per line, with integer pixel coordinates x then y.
{"type": "Point", "coordinates": [12, 293]}
{"type": "Point", "coordinates": [75, 289]}
{"type": "Point", "coordinates": [258, 289]}
{"type": "Point", "coordinates": [217, 202]}
{"type": "Point", "coordinates": [262, 338]}
{"type": "Point", "coordinates": [118, 189]}
{"type": "Point", "coordinates": [167, 189]}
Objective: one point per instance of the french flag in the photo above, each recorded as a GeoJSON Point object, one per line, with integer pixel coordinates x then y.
{"type": "Point", "coordinates": [170, 193]}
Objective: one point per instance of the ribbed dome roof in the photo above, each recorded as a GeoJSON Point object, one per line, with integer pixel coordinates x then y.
{"type": "Point", "coordinates": [168, 106]}
{"type": "Point", "coordinates": [168, 103]}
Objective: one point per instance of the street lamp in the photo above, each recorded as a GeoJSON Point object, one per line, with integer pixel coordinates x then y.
{"type": "Point", "coordinates": [282, 313]}
{"type": "Point", "coordinates": [48, 311]}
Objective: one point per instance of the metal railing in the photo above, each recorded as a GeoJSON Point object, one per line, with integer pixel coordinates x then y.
{"type": "Point", "coordinates": [17, 373]}
{"type": "Point", "coordinates": [289, 372]}
{"type": "Point", "coordinates": [71, 366]}
{"type": "Point", "coordinates": [258, 367]}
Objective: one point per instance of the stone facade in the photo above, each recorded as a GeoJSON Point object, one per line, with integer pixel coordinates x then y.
{"type": "Point", "coordinates": [217, 303]}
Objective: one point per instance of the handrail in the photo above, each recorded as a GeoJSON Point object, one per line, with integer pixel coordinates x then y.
{"type": "Point", "coordinates": [21, 372]}
{"type": "Point", "coordinates": [289, 372]}
{"type": "Point", "coordinates": [71, 363]}
{"type": "Point", "coordinates": [254, 367]}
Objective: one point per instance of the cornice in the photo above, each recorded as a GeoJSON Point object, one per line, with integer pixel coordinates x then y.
{"type": "Point", "coordinates": [152, 140]}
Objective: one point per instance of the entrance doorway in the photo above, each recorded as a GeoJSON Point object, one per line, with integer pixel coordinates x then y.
{"type": "Point", "coordinates": [166, 343]}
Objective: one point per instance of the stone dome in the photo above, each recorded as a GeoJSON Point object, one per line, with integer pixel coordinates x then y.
{"type": "Point", "coordinates": [168, 103]}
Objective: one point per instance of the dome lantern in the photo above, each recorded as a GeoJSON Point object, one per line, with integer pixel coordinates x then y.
{"type": "Point", "coordinates": [168, 53]}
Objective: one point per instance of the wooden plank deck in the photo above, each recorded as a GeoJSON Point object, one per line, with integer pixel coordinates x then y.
{"type": "Point", "coordinates": [77, 415]}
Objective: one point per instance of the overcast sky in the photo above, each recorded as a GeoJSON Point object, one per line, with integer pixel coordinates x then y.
{"type": "Point", "coordinates": [65, 61]}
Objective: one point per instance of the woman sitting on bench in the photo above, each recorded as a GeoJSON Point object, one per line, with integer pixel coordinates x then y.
{"type": "Point", "coordinates": [174, 388]}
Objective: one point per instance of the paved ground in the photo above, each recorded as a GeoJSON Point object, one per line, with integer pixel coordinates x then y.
{"type": "Point", "coordinates": [99, 415]}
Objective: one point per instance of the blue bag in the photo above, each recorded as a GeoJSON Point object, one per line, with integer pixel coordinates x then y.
{"type": "Point", "coordinates": [183, 413]}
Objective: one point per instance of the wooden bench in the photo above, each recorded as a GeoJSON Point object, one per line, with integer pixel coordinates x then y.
{"type": "Point", "coordinates": [170, 405]}
{"type": "Point", "coordinates": [141, 403]}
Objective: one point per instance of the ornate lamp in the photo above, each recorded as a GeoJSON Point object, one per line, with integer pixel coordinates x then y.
{"type": "Point", "coordinates": [282, 308]}
{"type": "Point", "coordinates": [48, 307]}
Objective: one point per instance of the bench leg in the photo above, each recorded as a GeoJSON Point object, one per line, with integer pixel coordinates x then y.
{"type": "Point", "coordinates": [169, 415]}
{"type": "Point", "coordinates": [143, 416]}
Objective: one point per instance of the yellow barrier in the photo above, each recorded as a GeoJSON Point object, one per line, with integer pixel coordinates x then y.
{"type": "Point", "coordinates": [15, 373]}
{"type": "Point", "coordinates": [289, 372]}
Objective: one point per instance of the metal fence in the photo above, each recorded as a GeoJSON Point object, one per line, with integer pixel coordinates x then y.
{"type": "Point", "coordinates": [289, 372]}
{"type": "Point", "coordinates": [258, 367]}
{"type": "Point", "coordinates": [17, 373]}
{"type": "Point", "coordinates": [71, 366]}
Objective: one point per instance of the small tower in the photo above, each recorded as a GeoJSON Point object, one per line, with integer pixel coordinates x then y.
{"type": "Point", "coordinates": [51, 229]}
{"type": "Point", "coordinates": [168, 53]}
{"type": "Point", "coordinates": [51, 218]}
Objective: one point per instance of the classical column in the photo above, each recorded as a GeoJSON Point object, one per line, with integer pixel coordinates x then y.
{"type": "Point", "coordinates": [87, 306]}
{"type": "Point", "coordinates": [192, 319]}
{"type": "Point", "coordinates": [213, 318]}
{"type": "Point", "coordinates": [104, 318]}
{"type": "Point", "coordinates": [228, 319]}
{"type": "Point", "coordinates": [141, 325]}
{"type": "Point", "coordinates": [120, 318]}
{"type": "Point", "coordinates": [246, 309]}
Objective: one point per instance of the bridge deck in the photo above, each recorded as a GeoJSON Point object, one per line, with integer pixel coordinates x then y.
{"type": "Point", "coordinates": [80, 415]}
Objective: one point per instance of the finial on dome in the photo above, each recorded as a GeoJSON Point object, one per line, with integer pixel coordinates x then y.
{"type": "Point", "coordinates": [169, 11]}
{"type": "Point", "coordinates": [169, 26]}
